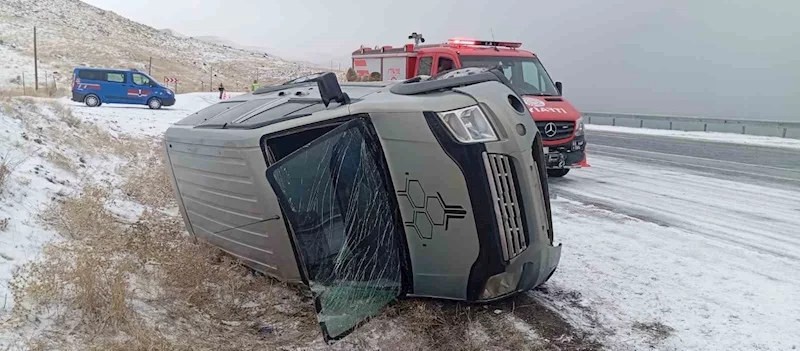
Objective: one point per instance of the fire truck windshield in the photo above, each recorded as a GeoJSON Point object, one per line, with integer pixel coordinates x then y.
{"type": "Point", "coordinates": [526, 74]}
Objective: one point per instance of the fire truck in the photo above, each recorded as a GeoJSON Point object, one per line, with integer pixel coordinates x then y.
{"type": "Point", "coordinates": [559, 123]}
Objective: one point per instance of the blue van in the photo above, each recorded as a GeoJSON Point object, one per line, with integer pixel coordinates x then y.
{"type": "Point", "coordinates": [97, 86]}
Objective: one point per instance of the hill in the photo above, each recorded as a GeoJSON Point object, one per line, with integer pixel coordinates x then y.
{"type": "Point", "coordinates": [71, 33]}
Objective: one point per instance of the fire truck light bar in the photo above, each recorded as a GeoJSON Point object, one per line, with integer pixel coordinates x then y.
{"type": "Point", "coordinates": [454, 41]}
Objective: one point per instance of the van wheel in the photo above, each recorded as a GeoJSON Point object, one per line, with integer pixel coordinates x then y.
{"type": "Point", "coordinates": [91, 100]}
{"type": "Point", "coordinates": [557, 173]}
{"type": "Point", "coordinates": [154, 103]}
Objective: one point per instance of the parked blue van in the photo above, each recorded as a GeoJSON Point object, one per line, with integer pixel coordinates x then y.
{"type": "Point", "coordinates": [97, 86]}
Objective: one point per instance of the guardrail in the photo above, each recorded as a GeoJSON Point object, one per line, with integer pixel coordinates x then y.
{"type": "Point", "coordinates": [783, 129]}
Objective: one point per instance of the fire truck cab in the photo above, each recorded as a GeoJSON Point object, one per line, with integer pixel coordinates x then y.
{"type": "Point", "coordinates": [559, 123]}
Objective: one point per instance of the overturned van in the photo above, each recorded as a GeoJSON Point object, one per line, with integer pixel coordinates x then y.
{"type": "Point", "coordinates": [370, 191]}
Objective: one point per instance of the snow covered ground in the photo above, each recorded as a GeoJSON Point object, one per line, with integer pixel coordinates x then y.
{"type": "Point", "coordinates": [677, 259]}
{"type": "Point", "coordinates": [731, 138]}
{"type": "Point", "coordinates": [140, 120]}
{"type": "Point", "coordinates": [36, 180]}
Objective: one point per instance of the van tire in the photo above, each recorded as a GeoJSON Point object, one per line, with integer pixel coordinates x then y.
{"type": "Point", "coordinates": [154, 103]}
{"type": "Point", "coordinates": [91, 100]}
{"type": "Point", "coordinates": [557, 173]}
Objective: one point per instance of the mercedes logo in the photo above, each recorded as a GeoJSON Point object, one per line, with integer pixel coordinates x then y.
{"type": "Point", "coordinates": [550, 129]}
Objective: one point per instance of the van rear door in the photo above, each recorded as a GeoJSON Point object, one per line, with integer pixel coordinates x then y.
{"type": "Point", "coordinates": [345, 225]}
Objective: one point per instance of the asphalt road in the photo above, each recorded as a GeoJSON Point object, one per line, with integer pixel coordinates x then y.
{"type": "Point", "coordinates": [753, 163]}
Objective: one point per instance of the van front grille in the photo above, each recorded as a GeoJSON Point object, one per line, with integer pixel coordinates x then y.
{"type": "Point", "coordinates": [507, 207]}
{"type": "Point", "coordinates": [558, 130]}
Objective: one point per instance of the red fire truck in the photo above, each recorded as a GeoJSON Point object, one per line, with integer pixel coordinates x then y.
{"type": "Point", "coordinates": [559, 123]}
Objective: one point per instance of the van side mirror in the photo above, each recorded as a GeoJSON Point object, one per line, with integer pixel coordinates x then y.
{"type": "Point", "coordinates": [560, 88]}
{"type": "Point", "coordinates": [329, 89]}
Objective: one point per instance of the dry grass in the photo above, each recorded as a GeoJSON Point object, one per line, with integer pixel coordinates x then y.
{"type": "Point", "coordinates": [59, 160]}
{"type": "Point", "coordinates": [109, 267]}
{"type": "Point", "coordinates": [64, 113]}
{"type": "Point", "coordinates": [5, 172]}
{"type": "Point", "coordinates": [116, 285]}
{"type": "Point", "coordinates": [146, 178]}
{"type": "Point", "coordinates": [30, 91]}
{"type": "Point", "coordinates": [7, 166]}
{"type": "Point", "coordinates": [656, 331]}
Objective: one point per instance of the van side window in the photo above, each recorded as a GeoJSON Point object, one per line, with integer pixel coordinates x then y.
{"type": "Point", "coordinates": [425, 64]}
{"type": "Point", "coordinates": [92, 75]}
{"type": "Point", "coordinates": [139, 79]}
{"type": "Point", "coordinates": [115, 77]}
{"type": "Point", "coordinates": [445, 64]}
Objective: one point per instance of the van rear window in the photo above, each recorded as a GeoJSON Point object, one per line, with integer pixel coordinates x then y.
{"type": "Point", "coordinates": [103, 76]}
{"type": "Point", "coordinates": [116, 77]}
{"type": "Point", "coordinates": [92, 75]}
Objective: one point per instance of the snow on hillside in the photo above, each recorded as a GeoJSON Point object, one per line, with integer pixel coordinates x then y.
{"type": "Point", "coordinates": [72, 33]}
{"type": "Point", "coordinates": [39, 163]}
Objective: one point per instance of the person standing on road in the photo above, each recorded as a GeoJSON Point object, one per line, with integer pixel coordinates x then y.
{"type": "Point", "coordinates": [255, 85]}
{"type": "Point", "coordinates": [221, 90]}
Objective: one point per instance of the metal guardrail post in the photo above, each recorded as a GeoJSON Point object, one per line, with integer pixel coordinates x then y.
{"type": "Point", "coordinates": [784, 133]}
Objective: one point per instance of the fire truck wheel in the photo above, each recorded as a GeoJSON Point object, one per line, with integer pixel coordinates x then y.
{"type": "Point", "coordinates": [154, 103]}
{"type": "Point", "coordinates": [91, 100]}
{"type": "Point", "coordinates": [557, 173]}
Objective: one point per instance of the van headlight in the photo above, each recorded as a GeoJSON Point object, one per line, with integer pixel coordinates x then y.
{"type": "Point", "coordinates": [469, 125]}
{"type": "Point", "coordinates": [579, 126]}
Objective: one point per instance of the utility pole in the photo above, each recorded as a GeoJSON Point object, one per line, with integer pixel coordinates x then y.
{"type": "Point", "coordinates": [24, 90]}
{"type": "Point", "coordinates": [211, 80]}
{"type": "Point", "coordinates": [150, 66]}
{"type": "Point", "coordinates": [35, 62]}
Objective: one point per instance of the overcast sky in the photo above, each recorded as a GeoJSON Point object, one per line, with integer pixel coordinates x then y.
{"type": "Point", "coordinates": [696, 57]}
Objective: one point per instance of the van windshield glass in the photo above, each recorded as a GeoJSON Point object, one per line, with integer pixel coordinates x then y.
{"type": "Point", "coordinates": [526, 74]}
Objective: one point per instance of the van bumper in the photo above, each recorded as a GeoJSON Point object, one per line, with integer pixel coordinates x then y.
{"type": "Point", "coordinates": [567, 155]}
{"type": "Point", "coordinates": [78, 97]}
{"type": "Point", "coordinates": [168, 101]}
{"type": "Point", "coordinates": [530, 269]}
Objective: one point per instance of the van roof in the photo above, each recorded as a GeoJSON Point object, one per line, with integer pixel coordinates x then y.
{"type": "Point", "coordinates": [284, 103]}
{"type": "Point", "coordinates": [273, 105]}
{"type": "Point", "coordinates": [106, 69]}
{"type": "Point", "coordinates": [413, 50]}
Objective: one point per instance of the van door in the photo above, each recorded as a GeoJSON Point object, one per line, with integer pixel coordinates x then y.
{"type": "Point", "coordinates": [444, 63]}
{"type": "Point", "coordinates": [140, 88]}
{"type": "Point", "coordinates": [114, 88]}
{"type": "Point", "coordinates": [345, 225]}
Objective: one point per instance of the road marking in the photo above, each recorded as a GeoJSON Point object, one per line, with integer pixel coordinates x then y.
{"type": "Point", "coordinates": [699, 158]}
{"type": "Point", "coordinates": [696, 165]}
